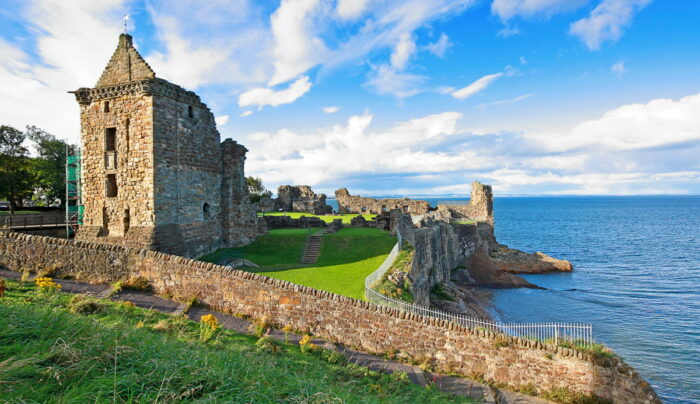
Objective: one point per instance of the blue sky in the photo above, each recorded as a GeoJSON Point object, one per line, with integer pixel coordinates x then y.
{"type": "Point", "coordinates": [408, 97]}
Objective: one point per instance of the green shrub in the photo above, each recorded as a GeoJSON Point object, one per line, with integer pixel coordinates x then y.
{"type": "Point", "coordinates": [439, 291]}
{"type": "Point", "coordinates": [83, 304]}
{"type": "Point", "coordinates": [565, 396]}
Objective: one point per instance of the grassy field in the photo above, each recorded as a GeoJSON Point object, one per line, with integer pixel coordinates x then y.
{"type": "Point", "coordinates": [347, 257]}
{"type": "Point", "coordinates": [278, 248]}
{"type": "Point", "coordinates": [326, 218]}
{"type": "Point", "coordinates": [127, 354]}
{"type": "Point", "coordinates": [18, 212]}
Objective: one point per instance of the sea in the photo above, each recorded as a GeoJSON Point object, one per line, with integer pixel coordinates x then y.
{"type": "Point", "coordinates": [636, 277]}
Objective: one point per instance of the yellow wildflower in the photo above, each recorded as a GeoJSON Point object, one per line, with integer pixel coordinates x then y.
{"type": "Point", "coordinates": [211, 321]}
{"type": "Point", "coordinates": [305, 340]}
{"type": "Point", "coordinates": [129, 304]}
{"type": "Point", "coordinates": [46, 284]}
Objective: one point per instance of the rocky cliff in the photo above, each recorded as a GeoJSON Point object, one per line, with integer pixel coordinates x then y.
{"type": "Point", "coordinates": [458, 253]}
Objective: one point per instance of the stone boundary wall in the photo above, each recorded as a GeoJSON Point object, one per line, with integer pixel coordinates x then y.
{"type": "Point", "coordinates": [286, 222]}
{"type": "Point", "coordinates": [447, 347]}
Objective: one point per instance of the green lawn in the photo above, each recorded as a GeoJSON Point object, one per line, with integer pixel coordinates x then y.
{"type": "Point", "coordinates": [19, 212]}
{"type": "Point", "coordinates": [347, 257]}
{"type": "Point", "coordinates": [326, 218]}
{"type": "Point", "coordinates": [121, 354]}
{"type": "Point", "coordinates": [278, 248]}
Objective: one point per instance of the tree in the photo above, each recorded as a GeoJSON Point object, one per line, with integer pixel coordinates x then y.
{"type": "Point", "coordinates": [16, 177]}
{"type": "Point", "coordinates": [256, 189]}
{"type": "Point", "coordinates": [50, 165]}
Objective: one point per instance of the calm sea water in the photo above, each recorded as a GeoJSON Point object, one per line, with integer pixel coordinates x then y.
{"type": "Point", "coordinates": [636, 277]}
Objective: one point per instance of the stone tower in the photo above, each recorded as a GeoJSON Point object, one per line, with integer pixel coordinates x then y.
{"type": "Point", "coordinates": [155, 173]}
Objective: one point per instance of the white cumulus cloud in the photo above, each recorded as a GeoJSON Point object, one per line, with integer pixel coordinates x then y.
{"type": "Point", "coordinates": [659, 122]}
{"type": "Point", "coordinates": [261, 96]}
{"type": "Point", "coordinates": [508, 9]}
{"type": "Point", "coordinates": [475, 87]}
{"type": "Point", "coordinates": [331, 109]}
{"type": "Point", "coordinates": [607, 21]}
{"type": "Point", "coordinates": [440, 47]}
{"type": "Point", "coordinates": [618, 68]}
{"type": "Point", "coordinates": [350, 9]}
{"type": "Point", "coordinates": [296, 49]}
{"type": "Point", "coordinates": [405, 48]}
{"type": "Point", "coordinates": [221, 120]}
{"type": "Point", "coordinates": [386, 79]}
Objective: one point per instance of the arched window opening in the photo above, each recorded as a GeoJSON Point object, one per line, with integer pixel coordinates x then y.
{"type": "Point", "coordinates": [206, 212]}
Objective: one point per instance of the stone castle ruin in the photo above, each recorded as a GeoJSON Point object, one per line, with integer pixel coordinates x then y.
{"type": "Point", "coordinates": [155, 173]}
{"type": "Point", "coordinates": [301, 198]}
{"type": "Point", "coordinates": [356, 204]}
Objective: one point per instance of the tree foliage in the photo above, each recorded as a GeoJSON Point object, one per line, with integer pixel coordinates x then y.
{"type": "Point", "coordinates": [256, 189]}
{"type": "Point", "coordinates": [16, 176]}
{"type": "Point", "coordinates": [49, 166]}
{"type": "Point", "coordinates": [21, 175]}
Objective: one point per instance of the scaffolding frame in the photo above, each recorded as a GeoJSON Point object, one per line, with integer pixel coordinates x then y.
{"type": "Point", "coordinates": [74, 205]}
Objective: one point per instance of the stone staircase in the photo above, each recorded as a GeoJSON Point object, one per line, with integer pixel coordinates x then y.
{"type": "Point", "coordinates": [313, 248]}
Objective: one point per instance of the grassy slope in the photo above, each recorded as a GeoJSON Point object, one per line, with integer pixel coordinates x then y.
{"type": "Point", "coordinates": [278, 248]}
{"type": "Point", "coordinates": [123, 354]}
{"type": "Point", "coordinates": [326, 218]}
{"type": "Point", "coordinates": [347, 257]}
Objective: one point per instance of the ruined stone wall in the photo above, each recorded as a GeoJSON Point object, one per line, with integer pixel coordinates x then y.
{"type": "Point", "coordinates": [301, 198]}
{"type": "Point", "coordinates": [188, 177]}
{"type": "Point", "coordinates": [240, 224]}
{"type": "Point", "coordinates": [450, 348]}
{"type": "Point", "coordinates": [480, 206]}
{"type": "Point", "coordinates": [356, 204]}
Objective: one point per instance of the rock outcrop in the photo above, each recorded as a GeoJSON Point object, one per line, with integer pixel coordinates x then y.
{"type": "Point", "coordinates": [455, 246]}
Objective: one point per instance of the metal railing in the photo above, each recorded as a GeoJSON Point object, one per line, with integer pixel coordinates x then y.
{"type": "Point", "coordinates": [580, 334]}
{"type": "Point", "coordinates": [32, 220]}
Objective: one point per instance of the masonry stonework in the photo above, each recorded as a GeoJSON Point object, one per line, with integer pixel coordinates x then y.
{"type": "Point", "coordinates": [301, 198]}
{"type": "Point", "coordinates": [356, 204]}
{"type": "Point", "coordinates": [154, 172]}
{"type": "Point", "coordinates": [510, 361]}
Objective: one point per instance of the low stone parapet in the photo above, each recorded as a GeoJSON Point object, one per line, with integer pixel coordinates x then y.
{"type": "Point", "coordinates": [445, 346]}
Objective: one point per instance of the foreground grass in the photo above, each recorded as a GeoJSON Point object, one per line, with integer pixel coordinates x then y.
{"type": "Point", "coordinates": [278, 248]}
{"type": "Point", "coordinates": [347, 257]}
{"type": "Point", "coordinates": [326, 218]}
{"type": "Point", "coordinates": [127, 354]}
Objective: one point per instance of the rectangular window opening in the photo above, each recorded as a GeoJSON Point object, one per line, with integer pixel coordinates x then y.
{"type": "Point", "coordinates": [111, 186]}
{"type": "Point", "coordinates": [106, 106]}
{"type": "Point", "coordinates": [111, 139]}
{"type": "Point", "coordinates": [190, 112]}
